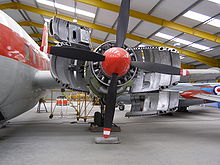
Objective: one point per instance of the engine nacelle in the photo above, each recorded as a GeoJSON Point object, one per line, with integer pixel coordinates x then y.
{"type": "Point", "coordinates": [148, 96]}
{"type": "Point", "coordinates": [148, 81]}
{"type": "Point", "coordinates": [69, 73]}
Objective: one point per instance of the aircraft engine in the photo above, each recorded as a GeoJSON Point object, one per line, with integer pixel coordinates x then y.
{"type": "Point", "coordinates": [98, 78]}
{"type": "Point", "coordinates": [69, 72]}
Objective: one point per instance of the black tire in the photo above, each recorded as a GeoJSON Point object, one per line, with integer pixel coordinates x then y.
{"type": "Point", "coordinates": [98, 119]}
{"type": "Point", "coordinates": [51, 116]}
{"type": "Point", "coordinates": [121, 107]}
{"type": "Point", "coordinates": [182, 109]}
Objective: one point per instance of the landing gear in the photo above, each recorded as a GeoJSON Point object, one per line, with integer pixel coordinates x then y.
{"type": "Point", "coordinates": [121, 107]}
{"type": "Point", "coordinates": [51, 116]}
{"type": "Point", "coordinates": [97, 125]}
{"type": "Point", "coordinates": [182, 109]}
{"type": "Point", "coordinates": [99, 116]}
{"type": "Point", "coordinates": [98, 119]}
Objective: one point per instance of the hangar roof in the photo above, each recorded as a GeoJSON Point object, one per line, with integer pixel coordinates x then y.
{"type": "Point", "coordinates": [191, 26]}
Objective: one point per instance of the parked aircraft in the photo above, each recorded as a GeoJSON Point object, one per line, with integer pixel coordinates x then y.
{"type": "Point", "coordinates": [112, 69]}
{"type": "Point", "coordinates": [189, 94]}
{"type": "Point", "coordinates": [25, 70]}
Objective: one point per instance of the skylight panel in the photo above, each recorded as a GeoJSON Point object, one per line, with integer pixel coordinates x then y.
{"type": "Point", "coordinates": [67, 8]}
{"type": "Point", "coordinates": [214, 22]}
{"type": "Point", "coordinates": [185, 42]}
{"type": "Point", "coordinates": [202, 18]}
{"type": "Point", "coordinates": [165, 36]}
{"type": "Point", "coordinates": [196, 16]}
{"type": "Point", "coordinates": [182, 41]}
{"type": "Point", "coordinates": [215, 1]}
{"type": "Point", "coordinates": [198, 46]}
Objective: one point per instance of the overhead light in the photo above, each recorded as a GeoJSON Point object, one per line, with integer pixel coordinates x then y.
{"type": "Point", "coordinates": [182, 41]}
{"type": "Point", "coordinates": [202, 18]}
{"type": "Point", "coordinates": [67, 8]}
{"type": "Point", "coordinates": [215, 1]}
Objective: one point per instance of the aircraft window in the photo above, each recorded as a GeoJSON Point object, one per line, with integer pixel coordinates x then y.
{"type": "Point", "coordinates": [27, 52]}
{"type": "Point", "coordinates": [34, 57]}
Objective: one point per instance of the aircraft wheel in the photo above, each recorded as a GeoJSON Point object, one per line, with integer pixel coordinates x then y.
{"type": "Point", "coordinates": [182, 109]}
{"type": "Point", "coordinates": [51, 116]}
{"type": "Point", "coordinates": [98, 119]}
{"type": "Point", "coordinates": [121, 107]}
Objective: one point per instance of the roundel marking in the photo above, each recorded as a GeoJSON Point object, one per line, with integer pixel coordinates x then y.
{"type": "Point", "coordinates": [216, 90]}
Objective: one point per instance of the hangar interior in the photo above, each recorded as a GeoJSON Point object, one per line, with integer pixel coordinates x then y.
{"type": "Point", "coordinates": [190, 26]}
{"type": "Point", "coordinates": [152, 136]}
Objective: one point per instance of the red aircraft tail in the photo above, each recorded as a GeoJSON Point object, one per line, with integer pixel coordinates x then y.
{"type": "Point", "coordinates": [44, 44]}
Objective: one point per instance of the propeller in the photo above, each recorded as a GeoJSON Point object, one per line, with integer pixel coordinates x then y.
{"type": "Point", "coordinates": [110, 105]}
{"type": "Point", "coordinates": [76, 53]}
{"type": "Point", "coordinates": [155, 67]}
{"type": "Point", "coordinates": [123, 20]}
{"type": "Point", "coordinates": [122, 28]}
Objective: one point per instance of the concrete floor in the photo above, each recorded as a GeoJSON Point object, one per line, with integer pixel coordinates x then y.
{"type": "Point", "coordinates": [193, 138]}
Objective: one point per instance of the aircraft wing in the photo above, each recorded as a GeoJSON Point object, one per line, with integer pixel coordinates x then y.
{"type": "Point", "coordinates": [200, 74]}
{"type": "Point", "coordinates": [208, 97]}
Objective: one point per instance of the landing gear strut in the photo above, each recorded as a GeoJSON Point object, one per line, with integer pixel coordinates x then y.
{"type": "Point", "coordinates": [97, 125]}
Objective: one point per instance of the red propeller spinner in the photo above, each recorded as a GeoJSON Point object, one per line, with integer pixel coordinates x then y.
{"type": "Point", "coordinates": [117, 60]}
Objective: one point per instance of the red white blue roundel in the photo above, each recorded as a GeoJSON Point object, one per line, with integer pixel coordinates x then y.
{"type": "Point", "coordinates": [216, 90]}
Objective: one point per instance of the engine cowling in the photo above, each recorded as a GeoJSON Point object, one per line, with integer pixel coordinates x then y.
{"type": "Point", "coordinates": [69, 73]}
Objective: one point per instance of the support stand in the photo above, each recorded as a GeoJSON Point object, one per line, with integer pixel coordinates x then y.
{"type": "Point", "coordinates": [110, 140]}
{"type": "Point", "coordinates": [41, 101]}
{"type": "Point", "coordinates": [95, 128]}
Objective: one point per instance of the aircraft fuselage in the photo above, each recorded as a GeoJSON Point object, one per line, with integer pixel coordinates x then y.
{"type": "Point", "coordinates": [20, 59]}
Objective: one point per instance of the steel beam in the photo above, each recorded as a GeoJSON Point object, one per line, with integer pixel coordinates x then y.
{"type": "Point", "coordinates": [187, 66]}
{"type": "Point", "coordinates": [38, 35]}
{"type": "Point", "coordinates": [30, 23]}
{"type": "Point", "coordinates": [155, 20]}
{"type": "Point", "coordinates": [49, 44]}
{"type": "Point", "coordinates": [204, 59]}
{"type": "Point", "coordinates": [183, 66]}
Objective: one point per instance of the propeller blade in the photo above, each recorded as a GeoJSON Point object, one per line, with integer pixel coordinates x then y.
{"type": "Point", "coordinates": [110, 106]}
{"type": "Point", "coordinates": [122, 26]}
{"type": "Point", "coordinates": [76, 53]}
{"type": "Point", "coordinates": [155, 67]}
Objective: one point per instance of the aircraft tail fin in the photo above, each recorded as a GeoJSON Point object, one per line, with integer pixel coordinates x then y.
{"type": "Point", "coordinates": [44, 44]}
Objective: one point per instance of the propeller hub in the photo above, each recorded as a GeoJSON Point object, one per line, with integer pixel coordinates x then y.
{"type": "Point", "coordinates": [117, 60]}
